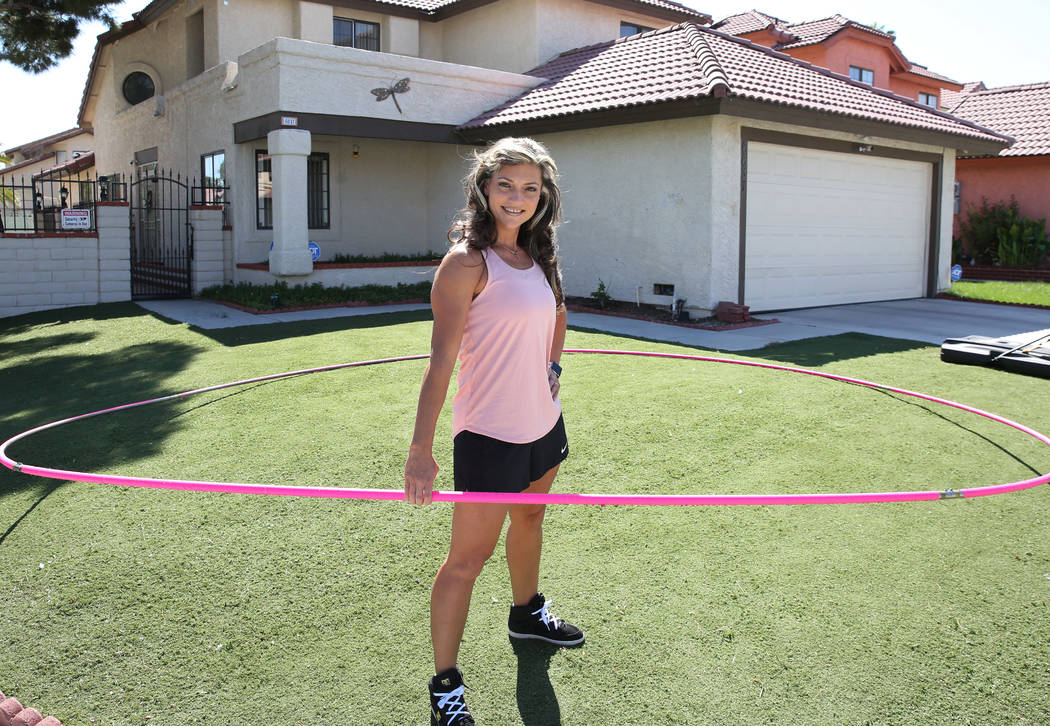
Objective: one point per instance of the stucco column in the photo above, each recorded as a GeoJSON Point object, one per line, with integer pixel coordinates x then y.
{"type": "Point", "coordinates": [288, 149]}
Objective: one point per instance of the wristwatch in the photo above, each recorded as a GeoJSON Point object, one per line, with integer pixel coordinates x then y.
{"type": "Point", "coordinates": [556, 368]}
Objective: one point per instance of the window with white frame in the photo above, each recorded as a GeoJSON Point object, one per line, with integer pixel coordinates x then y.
{"type": "Point", "coordinates": [355, 33]}
{"type": "Point", "coordinates": [864, 75]}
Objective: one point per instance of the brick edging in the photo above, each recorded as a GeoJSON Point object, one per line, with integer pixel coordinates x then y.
{"type": "Point", "coordinates": [946, 296]}
{"type": "Point", "coordinates": [1005, 274]}
{"type": "Point", "coordinates": [348, 304]}
{"type": "Point", "coordinates": [695, 326]}
{"type": "Point", "coordinates": [11, 709]}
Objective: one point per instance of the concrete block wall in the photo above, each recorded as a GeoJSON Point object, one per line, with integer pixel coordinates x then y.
{"type": "Point", "coordinates": [208, 263]}
{"type": "Point", "coordinates": [43, 272]}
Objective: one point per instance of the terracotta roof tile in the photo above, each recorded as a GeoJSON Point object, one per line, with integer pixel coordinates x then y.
{"type": "Point", "coordinates": [951, 99]}
{"type": "Point", "coordinates": [432, 6]}
{"type": "Point", "coordinates": [749, 22]}
{"type": "Point", "coordinates": [1022, 112]}
{"type": "Point", "coordinates": [688, 61]}
{"type": "Point", "coordinates": [924, 71]}
{"type": "Point", "coordinates": [812, 32]}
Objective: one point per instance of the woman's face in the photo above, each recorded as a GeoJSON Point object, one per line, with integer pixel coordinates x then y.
{"type": "Point", "coordinates": [513, 193]}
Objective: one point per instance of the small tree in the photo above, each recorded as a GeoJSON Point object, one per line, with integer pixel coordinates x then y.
{"type": "Point", "coordinates": [36, 34]}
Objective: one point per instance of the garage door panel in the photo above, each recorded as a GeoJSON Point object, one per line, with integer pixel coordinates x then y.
{"type": "Point", "coordinates": [826, 228]}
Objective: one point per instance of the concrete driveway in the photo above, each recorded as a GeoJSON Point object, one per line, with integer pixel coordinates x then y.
{"type": "Point", "coordinates": [922, 319]}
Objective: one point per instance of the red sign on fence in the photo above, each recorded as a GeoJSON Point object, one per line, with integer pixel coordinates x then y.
{"type": "Point", "coordinates": [76, 219]}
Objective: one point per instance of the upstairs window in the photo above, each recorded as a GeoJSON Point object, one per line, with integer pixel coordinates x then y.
{"type": "Point", "coordinates": [864, 75]}
{"type": "Point", "coordinates": [928, 99]}
{"type": "Point", "coordinates": [627, 29]}
{"type": "Point", "coordinates": [356, 33]}
{"type": "Point", "coordinates": [137, 87]}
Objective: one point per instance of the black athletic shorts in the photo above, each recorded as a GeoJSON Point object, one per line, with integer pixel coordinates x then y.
{"type": "Point", "coordinates": [483, 464]}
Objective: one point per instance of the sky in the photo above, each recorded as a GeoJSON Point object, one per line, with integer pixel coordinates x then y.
{"type": "Point", "coordinates": [1002, 44]}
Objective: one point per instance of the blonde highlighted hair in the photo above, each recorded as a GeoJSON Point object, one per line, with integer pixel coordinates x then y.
{"type": "Point", "coordinates": [475, 224]}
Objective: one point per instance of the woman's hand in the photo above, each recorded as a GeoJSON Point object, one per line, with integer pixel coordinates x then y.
{"type": "Point", "coordinates": [554, 382]}
{"type": "Point", "coordinates": [420, 472]}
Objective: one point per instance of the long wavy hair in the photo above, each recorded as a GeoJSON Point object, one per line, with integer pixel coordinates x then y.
{"type": "Point", "coordinates": [476, 226]}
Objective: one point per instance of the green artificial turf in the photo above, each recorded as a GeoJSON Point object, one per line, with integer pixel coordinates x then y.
{"type": "Point", "coordinates": [1028, 293]}
{"type": "Point", "coordinates": [124, 605]}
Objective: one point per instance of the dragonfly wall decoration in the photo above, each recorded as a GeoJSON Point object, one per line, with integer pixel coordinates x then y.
{"type": "Point", "coordinates": [381, 94]}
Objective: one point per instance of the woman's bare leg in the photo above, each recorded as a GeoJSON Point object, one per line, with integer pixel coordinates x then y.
{"type": "Point", "coordinates": [525, 541]}
{"type": "Point", "coordinates": [475, 531]}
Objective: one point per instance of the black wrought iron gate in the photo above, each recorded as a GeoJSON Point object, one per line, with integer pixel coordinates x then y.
{"type": "Point", "coordinates": [161, 235]}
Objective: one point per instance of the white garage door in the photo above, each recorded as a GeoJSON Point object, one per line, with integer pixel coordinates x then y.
{"type": "Point", "coordinates": [827, 228]}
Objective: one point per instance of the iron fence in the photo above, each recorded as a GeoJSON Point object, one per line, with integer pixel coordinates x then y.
{"type": "Point", "coordinates": [56, 201]}
{"type": "Point", "coordinates": [213, 195]}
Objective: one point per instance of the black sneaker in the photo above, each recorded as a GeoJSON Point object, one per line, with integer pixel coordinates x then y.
{"type": "Point", "coordinates": [447, 707]}
{"type": "Point", "coordinates": [536, 621]}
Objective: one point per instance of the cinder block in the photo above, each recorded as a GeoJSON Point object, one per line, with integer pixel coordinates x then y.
{"type": "Point", "coordinates": [69, 275]}
{"type": "Point", "coordinates": [34, 299]}
{"type": "Point", "coordinates": [7, 252]}
{"type": "Point", "coordinates": [72, 298]}
{"type": "Point", "coordinates": [7, 301]}
{"type": "Point", "coordinates": [81, 286]}
{"type": "Point", "coordinates": [114, 275]}
{"type": "Point", "coordinates": [67, 253]}
{"type": "Point", "coordinates": [34, 276]}
{"type": "Point", "coordinates": [31, 253]}
{"type": "Point", "coordinates": [108, 296]}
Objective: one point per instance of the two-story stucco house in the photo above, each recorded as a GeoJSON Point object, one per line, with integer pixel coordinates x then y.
{"type": "Point", "coordinates": [692, 160]}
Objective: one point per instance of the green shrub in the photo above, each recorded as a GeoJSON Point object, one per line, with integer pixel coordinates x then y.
{"type": "Point", "coordinates": [280, 295]}
{"type": "Point", "coordinates": [1024, 243]}
{"type": "Point", "coordinates": [998, 234]}
{"type": "Point", "coordinates": [427, 256]}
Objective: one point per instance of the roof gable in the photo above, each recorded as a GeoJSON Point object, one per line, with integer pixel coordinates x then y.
{"type": "Point", "coordinates": [691, 62]}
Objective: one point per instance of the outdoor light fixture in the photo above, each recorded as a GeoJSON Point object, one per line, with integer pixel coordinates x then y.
{"type": "Point", "coordinates": [864, 148]}
{"type": "Point", "coordinates": [65, 196]}
{"type": "Point", "coordinates": [356, 151]}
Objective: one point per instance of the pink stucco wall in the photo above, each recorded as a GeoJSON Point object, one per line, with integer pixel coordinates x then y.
{"type": "Point", "coordinates": [1026, 178]}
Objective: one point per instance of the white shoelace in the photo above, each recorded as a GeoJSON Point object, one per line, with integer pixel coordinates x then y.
{"type": "Point", "coordinates": [453, 701]}
{"type": "Point", "coordinates": [553, 622]}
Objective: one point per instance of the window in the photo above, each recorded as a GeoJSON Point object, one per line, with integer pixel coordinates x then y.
{"type": "Point", "coordinates": [928, 99]}
{"type": "Point", "coordinates": [627, 29]}
{"type": "Point", "coordinates": [864, 75]}
{"type": "Point", "coordinates": [213, 178]}
{"type": "Point", "coordinates": [317, 191]}
{"type": "Point", "coordinates": [137, 87]}
{"type": "Point", "coordinates": [356, 34]}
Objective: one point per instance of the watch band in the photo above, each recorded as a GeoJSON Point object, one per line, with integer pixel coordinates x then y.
{"type": "Point", "coordinates": [556, 368]}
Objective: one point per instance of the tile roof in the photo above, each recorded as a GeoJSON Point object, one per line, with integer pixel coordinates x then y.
{"type": "Point", "coordinates": [52, 139]}
{"type": "Point", "coordinates": [924, 71]}
{"type": "Point", "coordinates": [1022, 112]}
{"type": "Point", "coordinates": [688, 61]}
{"type": "Point", "coordinates": [749, 22]}
{"type": "Point", "coordinates": [950, 99]}
{"type": "Point", "coordinates": [812, 32]}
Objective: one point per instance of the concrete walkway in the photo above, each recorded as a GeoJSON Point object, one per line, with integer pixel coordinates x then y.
{"type": "Point", "coordinates": [925, 320]}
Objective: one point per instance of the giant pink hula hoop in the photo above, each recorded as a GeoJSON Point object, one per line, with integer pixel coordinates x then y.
{"type": "Point", "coordinates": [507, 498]}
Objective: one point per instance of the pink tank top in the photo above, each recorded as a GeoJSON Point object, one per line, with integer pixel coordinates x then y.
{"type": "Point", "coordinates": [503, 390]}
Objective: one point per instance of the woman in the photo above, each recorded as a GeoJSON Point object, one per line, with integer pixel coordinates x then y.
{"type": "Point", "coordinates": [498, 306]}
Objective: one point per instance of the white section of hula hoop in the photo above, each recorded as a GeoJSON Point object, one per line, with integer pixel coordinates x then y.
{"type": "Point", "coordinates": [510, 498]}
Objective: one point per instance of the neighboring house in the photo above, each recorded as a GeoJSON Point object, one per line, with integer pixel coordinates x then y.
{"type": "Point", "coordinates": [847, 47]}
{"type": "Point", "coordinates": [34, 157]}
{"type": "Point", "coordinates": [695, 164]}
{"type": "Point", "coordinates": [1021, 171]}
{"type": "Point", "coordinates": [48, 171]}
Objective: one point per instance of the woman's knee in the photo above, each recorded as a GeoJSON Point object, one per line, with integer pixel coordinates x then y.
{"type": "Point", "coordinates": [528, 516]}
{"type": "Point", "coordinates": [466, 566]}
